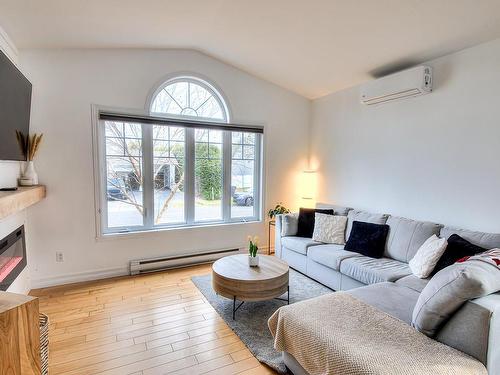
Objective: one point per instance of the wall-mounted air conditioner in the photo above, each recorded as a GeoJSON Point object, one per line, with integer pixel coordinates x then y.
{"type": "Point", "coordinates": [408, 83]}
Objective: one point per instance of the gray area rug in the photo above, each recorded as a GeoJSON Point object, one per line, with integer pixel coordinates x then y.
{"type": "Point", "coordinates": [251, 318]}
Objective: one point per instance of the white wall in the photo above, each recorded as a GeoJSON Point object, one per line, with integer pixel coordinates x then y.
{"type": "Point", "coordinates": [67, 82]}
{"type": "Point", "coordinates": [434, 157]}
{"type": "Point", "coordinates": [9, 172]}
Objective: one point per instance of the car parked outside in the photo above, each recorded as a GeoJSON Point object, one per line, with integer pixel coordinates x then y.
{"type": "Point", "coordinates": [243, 198]}
{"type": "Point", "coordinates": [115, 189]}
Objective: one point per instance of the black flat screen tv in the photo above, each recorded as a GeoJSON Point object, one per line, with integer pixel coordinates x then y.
{"type": "Point", "coordinates": [15, 107]}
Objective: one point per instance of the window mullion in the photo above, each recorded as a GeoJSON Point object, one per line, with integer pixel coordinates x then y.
{"type": "Point", "coordinates": [189, 177]}
{"type": "Point", "coordinates": [103, 176]}
{"type": "Point", "coordinates": [226, 175]}
{"type": "Point", "coordinates": [147, 175]}
{"type": "Point", "coordinates": [257, 177]}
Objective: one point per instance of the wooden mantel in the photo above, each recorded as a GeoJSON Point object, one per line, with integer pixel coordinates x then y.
{"type": "Point", "coordinates": [15, 201]}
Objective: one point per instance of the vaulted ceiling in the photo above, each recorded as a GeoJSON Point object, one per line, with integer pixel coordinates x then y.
{"type": "Point", "coordinates": [312, 47]}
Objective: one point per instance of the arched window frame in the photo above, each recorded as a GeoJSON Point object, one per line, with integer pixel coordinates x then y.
{"type": "Point", "coordinates": [215, 91]}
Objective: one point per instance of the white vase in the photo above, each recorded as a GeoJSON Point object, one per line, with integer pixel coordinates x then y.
{"type": "Point", "coordinates": [253, 261]}
{"type": "Point", "coordinates": [30, 173]}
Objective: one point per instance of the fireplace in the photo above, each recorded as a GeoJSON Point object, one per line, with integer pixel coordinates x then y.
{"type": "Point", "coordinates": [12, 257]}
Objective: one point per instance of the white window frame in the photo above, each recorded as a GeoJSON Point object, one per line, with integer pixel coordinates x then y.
{"type": "Point", "coordinates": [198, 81]}
{"type": "Point", "coordinates": [100, 178]}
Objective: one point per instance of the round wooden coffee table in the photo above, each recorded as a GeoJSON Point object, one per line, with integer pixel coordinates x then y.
{"type": "Point", "coordinates": [233, 278]}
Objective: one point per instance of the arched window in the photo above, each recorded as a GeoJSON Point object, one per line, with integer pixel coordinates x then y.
{"type": "Point", "coordinates": [189, 96]}
{"type": "Point", "coordinates": [182, 164]}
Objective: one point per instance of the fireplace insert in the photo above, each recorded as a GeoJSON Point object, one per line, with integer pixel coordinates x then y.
{"type": "Point", "coordinates": [12, 257]}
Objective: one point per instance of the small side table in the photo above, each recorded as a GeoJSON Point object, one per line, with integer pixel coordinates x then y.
{"type": "Point", "coordinates": [272, 223]}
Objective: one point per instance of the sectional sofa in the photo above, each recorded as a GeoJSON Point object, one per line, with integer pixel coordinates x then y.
{"type": "Point", "coordinates": [388, 283]}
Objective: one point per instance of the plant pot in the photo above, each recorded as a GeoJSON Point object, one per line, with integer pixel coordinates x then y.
{"type": "Point", "coordinates": [253, 261]}
{"type": "Point", "coordinates": [30, 173]}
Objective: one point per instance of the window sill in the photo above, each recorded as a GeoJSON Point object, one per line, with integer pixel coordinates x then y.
{"type": "Point", "coordinates": [147, 232]}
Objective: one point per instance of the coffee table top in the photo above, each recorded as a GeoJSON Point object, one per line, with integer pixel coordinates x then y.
{"type": "Point", "coordinates": [235, 267]}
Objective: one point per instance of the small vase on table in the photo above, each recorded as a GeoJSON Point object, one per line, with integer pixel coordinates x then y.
{"type": "Point", "coordinates": [29, 145]}
{"type": "Point", "coordinates": [253, 248]}
{"type": "Point", "coordinates": [30, 173]}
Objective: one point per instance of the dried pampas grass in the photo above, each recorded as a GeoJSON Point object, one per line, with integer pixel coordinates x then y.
{"type": "Point", "coordinates": [29, 145]}
{"type": "Point", "coordinates": [22, 141]}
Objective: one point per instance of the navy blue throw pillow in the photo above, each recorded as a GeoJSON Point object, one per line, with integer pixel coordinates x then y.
{"type": "Point", "coordinates": [307, 219]}
{"type": "Point", "coordinates": [457, 248]}
{"type": "Point", "coordinates": [368, 239]}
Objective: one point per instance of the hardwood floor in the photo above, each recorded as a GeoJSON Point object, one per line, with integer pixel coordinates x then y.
{"type": "Point", "coordinates": [150, 324]}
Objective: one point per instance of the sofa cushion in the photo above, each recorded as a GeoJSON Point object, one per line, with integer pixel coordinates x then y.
{"type": "Point", "coordinates": [450, 288]}
{"type": "Point", "coordinates": [330, 255]}
{"type": "Point", "coordinates": [486, 240]}
{"type": "Point", "coordinates": [367, 217]}
{"type": "Point", "coordinates": [329, 228]}
{"type": "Point", "coordinates": [289, 224]}
{"type": "Point", "coordinates": [368, 239]}
{"type": "Point", "coordinates": [370, 271]}
{"type": "Point", "coordinates": [307, 219]}
{"type": "Point", "coordinates": [406, 236]}
{"type": "Point", "coordinates": [457, 248]}
{"type": "Point", "coordinates": [413, 282]}
{"type": "Point", "coordinates": [337, 210]}
{"type": "Point", "coordinates": [397, 301]}
{"type": "Point", "coordinates": [427, 256]}
{"type": "Point", "coordinates": [298, 244]}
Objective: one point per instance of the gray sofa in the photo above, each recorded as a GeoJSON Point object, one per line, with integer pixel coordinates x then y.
{"type": "Point", "coordinates": [389, 284]}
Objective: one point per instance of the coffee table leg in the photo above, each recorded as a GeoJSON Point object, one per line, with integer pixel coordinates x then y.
{"type": "Point", "coordinates": [234, 306]}
{"type": "Point", "coordinates": [287, 300]}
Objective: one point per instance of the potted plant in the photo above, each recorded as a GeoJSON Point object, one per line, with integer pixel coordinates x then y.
{"type": "Point", "coordinates": [253, 248]}
{"type": "Point", "coordinates": [279, 209]}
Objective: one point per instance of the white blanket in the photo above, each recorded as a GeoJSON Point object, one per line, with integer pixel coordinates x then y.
{"type": "Point", "coordinates": [339, 334]}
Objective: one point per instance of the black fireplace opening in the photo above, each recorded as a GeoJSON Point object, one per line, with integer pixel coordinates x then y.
{"type": "Point", "coordinates": [12, 257]}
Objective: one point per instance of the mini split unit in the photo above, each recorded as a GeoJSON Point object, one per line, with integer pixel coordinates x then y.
{"type": "Point", "coordinates": [406, 84]}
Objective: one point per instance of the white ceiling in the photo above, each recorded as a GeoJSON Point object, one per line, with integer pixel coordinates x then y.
{"type": "Point", "coordinates": [311, 47]}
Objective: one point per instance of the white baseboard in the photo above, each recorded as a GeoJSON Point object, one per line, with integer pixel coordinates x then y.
{"type": "Point", "coordinates": [105, 273]}
{"type": "Point", "coordinates": [79, 277]}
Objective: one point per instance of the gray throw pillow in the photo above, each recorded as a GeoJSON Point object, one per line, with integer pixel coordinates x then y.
{"type": "Point", "coordinates": [289, 224]}
{"type": "Point", "coordinates": [450, 288]}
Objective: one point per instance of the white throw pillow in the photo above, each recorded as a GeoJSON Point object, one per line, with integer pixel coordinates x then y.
{"type": "Point", "coordinates": [289, 224]}
{"type": "Point", "coordinates": [427, 256]}
{"type": "Point", "coordinates": [329, 228]}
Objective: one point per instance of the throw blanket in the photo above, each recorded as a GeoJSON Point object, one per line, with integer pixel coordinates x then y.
{"type": "Point", "coordinates": [339, 334]}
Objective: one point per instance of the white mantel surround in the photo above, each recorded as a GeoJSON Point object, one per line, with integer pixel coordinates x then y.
{"type": "Point", "coordinates": [9, 172]}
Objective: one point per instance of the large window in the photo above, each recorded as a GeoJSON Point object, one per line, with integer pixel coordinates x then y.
{"type": "Point", "coordinates": [183, 164]}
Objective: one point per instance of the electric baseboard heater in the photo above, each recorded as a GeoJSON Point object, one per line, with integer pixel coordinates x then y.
{"type": "Point", "coordinates": [164, 263]}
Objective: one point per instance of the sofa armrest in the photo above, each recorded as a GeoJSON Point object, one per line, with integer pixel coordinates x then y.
{"type": "Point", "coordinates": [475, 330]}
{"type": "Point", "coordinates": [492, 303]}
{"type": "Point", "coordinates": [277, 235]}
{"type": "Point", "coordinates": [286, 225]}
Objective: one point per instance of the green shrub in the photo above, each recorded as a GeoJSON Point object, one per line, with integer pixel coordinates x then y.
{"type": "Point", "coordinates": [208, 172]}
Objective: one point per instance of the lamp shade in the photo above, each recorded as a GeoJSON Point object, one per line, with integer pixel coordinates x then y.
{"type": "Point", "coordinates": [309, 185]}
